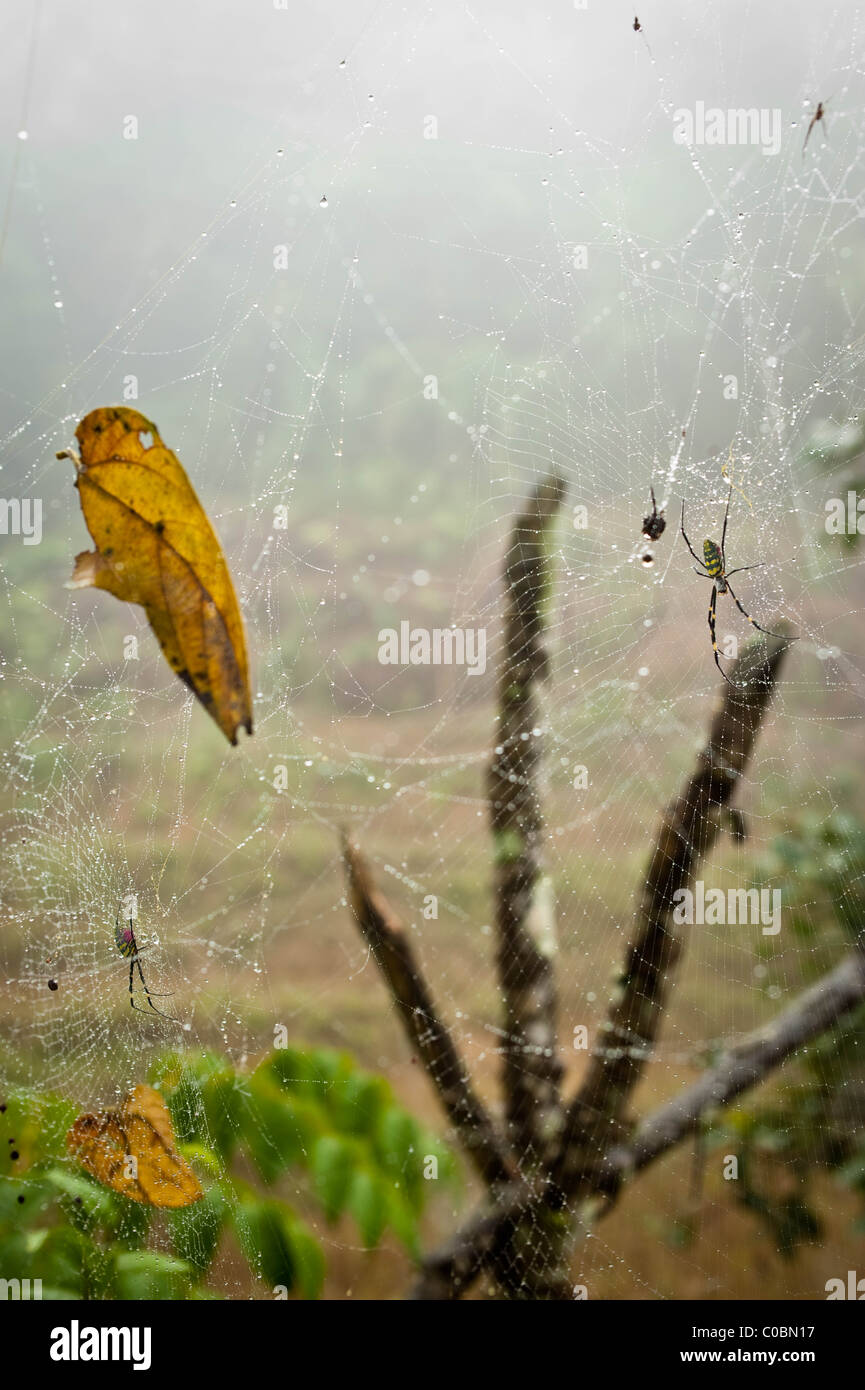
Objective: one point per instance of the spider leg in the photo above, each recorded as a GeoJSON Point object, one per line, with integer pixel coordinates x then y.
{"type": "Point", "coordinates": [713, 601]}
{"type": "Point", "coordinates": [741, 569]}
{"type": "Point", "coordinates": [685, 534]}
{"type": "Point", "coordinates": [165, 994]}
{"type": "Point", "coordinates": [767, 631]}
{"type": "Point", "coordinates": [150, 997]}
{"type": "Point", "coordinates": [153, 994]}
{"type": "Point", "coordinates": [704, 574]}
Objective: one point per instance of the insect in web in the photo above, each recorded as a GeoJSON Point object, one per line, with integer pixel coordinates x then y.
{"type": "Point", "coordinates": [654, 523]}
{"type": "Point", "coordinates": [124, 940]}
{"type": "Point", "coordinates": [714, 567]}
{"type": "Point", "coordinates": [819, 116]}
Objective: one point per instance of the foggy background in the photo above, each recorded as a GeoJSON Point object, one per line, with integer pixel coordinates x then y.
{"type": "Point", "coordinates": [554, 129]}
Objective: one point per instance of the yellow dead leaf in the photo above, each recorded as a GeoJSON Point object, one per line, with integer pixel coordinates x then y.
{"type": "Point", "coordinates": [132, 1151]}
{"type": "Point", "coordinates": [155, 546]}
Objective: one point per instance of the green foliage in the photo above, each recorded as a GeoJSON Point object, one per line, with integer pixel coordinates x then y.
{"type": "Point", "coordinates": [817, 1125]}
{"type": "Point", "coordinates": [828, 857]}
{"type": "Point", "coordinates": [833, 446]}
{"type": "Point", "coordinates": [839, 451]}
{"type": "Point", "coordinates": [310, 1111]}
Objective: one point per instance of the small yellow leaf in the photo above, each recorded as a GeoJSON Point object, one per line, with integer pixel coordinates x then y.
{"type": "Point", "coordinates": [155, 546]}
{"type": "Point", "coordinates": [132, 1151]}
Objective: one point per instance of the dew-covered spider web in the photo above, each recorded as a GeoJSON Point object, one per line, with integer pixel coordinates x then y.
{"type": "Point", "coordinates": [375, 272]}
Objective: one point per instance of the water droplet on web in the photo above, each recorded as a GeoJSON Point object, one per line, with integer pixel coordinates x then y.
{"type": "Point", "coordinates": [323, 202]}
{"type": "Point", "coordinates": [23, 134]}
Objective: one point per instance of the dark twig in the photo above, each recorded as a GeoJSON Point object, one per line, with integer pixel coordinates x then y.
{"type": "Point", "coordinates": [426, 1032]}
{"type": "Point", "coordinates": [523, 910]}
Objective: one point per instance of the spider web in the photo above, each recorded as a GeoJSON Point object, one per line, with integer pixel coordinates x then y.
{"type": "Point", "coordinates": [375, 274]}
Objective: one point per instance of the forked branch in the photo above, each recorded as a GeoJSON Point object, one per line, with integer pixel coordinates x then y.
{"type": "Point", "coordinates": [742, 1065]}
{"type": "Point", "coordinates": [554, 1165]}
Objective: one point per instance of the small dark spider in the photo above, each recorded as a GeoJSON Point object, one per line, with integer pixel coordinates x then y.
{"type": "Point", "coordinates": [819, 115]}
{"type": "Point", "coordinates": [124, 940]}
{"type": "Point", "coordinates": [714, 563]}
{"type": "Point", "coordinates": [654, 524]}
{"type": "Point", "coordinates": [637, 25]}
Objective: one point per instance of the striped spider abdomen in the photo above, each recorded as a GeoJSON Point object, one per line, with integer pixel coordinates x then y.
{"type": "Point", "coordinates": [712, 559]}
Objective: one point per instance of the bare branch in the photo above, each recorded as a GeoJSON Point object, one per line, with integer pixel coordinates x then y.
{"type": "Point", "coordinates": [523, 902]}
{"type": "Point", "coordinates": [747, 1063]}
{"type": "Point", "coordinates": [686, 833]}
{"type": "Point", "coordinates": [426, 1032]}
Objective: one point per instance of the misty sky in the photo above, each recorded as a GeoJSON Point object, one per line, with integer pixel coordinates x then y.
{"type": "Point", "coordinates": [154, 256]}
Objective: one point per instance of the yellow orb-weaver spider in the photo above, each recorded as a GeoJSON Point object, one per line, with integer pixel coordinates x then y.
{"type": "Point", "coordinates": [124, 940]}
{"type": "Point", "coordinates": [714, 567]}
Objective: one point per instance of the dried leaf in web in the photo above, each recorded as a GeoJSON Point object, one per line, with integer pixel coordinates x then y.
{"type": "Point", "coordinates": [140, 1130]}
{"type": "Point", "coordinates": [155, 546]}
